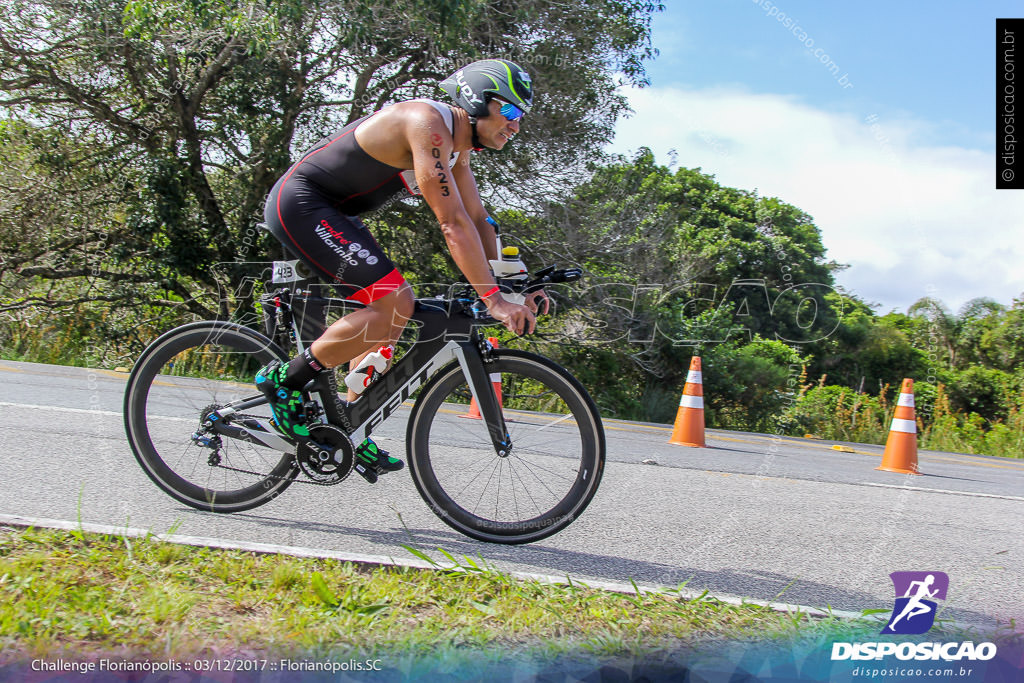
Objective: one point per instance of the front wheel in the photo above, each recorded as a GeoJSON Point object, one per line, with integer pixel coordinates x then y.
{"type": "Point", "coordinates": [177, 381]}
{"type": "Point", "coordinates": [545, 482]}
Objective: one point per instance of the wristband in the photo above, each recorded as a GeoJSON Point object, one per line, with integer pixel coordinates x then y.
{"type": "Point", "coordinates": [491, 292]}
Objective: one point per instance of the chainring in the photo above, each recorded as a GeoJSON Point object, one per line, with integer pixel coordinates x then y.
{"type": "Point", "coordinates": [330, 464]}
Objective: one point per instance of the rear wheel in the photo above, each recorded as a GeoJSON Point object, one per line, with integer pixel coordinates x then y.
{"type": "Point", "coordinates": [547, 480]}
{"type": "Point", "coordinates": [180, 378]}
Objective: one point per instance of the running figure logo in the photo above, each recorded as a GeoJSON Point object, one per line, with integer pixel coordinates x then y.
{"type": "Point", "coordinates": [914, 610]}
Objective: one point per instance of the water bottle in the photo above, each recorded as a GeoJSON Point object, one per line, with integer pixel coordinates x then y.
{"type": "Point", "coordinates": [368, 369]}
{"type": "Point", "coordinates": [510, 269]}
{"type": "Point", "coordinates": [509, 265]}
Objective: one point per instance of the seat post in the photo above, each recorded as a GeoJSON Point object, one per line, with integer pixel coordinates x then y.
{"type": "Point", "coordinates": [266, 228]}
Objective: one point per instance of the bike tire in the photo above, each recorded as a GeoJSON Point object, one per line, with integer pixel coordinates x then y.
{"type": "Point", "coordinates": [452, 459]}
{"type": "Point", "coordinates": [164, 401]}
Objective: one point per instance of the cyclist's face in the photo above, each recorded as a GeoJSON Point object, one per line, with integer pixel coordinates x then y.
{"type": "Point", "coordinates": [499, 130]}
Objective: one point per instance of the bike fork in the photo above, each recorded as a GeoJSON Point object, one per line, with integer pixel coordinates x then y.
{"type": "Point", "coordinates": [471, 359]}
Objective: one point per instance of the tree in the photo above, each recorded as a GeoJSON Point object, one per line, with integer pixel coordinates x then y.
{"type": "Point", "coordinates": [663, 247]}
{"type": "Point", "coordinates": [186, 112]}
{"type": "Point", "coordinates": [943, 325]}
{"type": "Point", "coordinates": [678, 264]}
{"type": "Point", "coordinates": [998, 336]}
{"type": "Point", "coordinates": [960, 335]}
{"type": "Point", "coordinates": [867, 352]}
{"type": "Point", "coordinates": [750, 385]}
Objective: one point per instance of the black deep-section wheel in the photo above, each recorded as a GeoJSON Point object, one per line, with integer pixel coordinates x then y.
{"type": "Point", "coordinates": [177, 377]}
{"type": "Point", "coordinates": [552, 473]}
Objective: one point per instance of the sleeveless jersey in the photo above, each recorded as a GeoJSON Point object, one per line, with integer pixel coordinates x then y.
{"type": "Point", "coordinates": [355, 182]}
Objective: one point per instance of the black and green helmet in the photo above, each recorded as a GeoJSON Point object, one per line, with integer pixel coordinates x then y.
{"type": "Point", "coordinates": [471, 85]}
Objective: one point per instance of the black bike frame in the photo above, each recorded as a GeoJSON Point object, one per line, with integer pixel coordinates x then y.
{"type": "Point", "coordinates": [446, 331]}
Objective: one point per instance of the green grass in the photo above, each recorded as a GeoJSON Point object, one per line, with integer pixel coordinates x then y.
{"type": "Point", "coordinates": [73, 592]}
{"type": "Point", "coordinates": [839, 414]}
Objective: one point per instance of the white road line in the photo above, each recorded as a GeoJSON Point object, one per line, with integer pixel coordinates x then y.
{"type": "Point", "coordinates": [955, 493]}
{"type": "Point", "coordinates": [29, 406]}
{"type": "Point", "coordinates": [4, 404]}
{"type": "Point", "coordinates": [552, 424]}
{"type": "Point", "coordinates": [298, 551]}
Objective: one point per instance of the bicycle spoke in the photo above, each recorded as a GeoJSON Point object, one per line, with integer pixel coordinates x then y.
{"type": "Point", "coordinates": [484, 490]}
{"type": "Point", "coordinates": [534, 491]}
{"type": "Point", "coordinates": [182, 375]}
{"type": "Point", "coordinates": [545, 469]}
{"type": "Point", "coordinates": [497, 498]}
{"type": "Point", "coordinates": [515, 500]}
{"type": "Point", "coordinates": [471, 481]}
{"type": "Point", "coordinates": [542, 482]}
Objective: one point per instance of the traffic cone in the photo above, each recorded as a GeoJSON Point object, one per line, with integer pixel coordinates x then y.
{"type": "Point", "coordinates": [474, 410]}
{"type": "Point", "coordinates": [689, 427]}
{"type": "Point", "coordinates": [901, 446]}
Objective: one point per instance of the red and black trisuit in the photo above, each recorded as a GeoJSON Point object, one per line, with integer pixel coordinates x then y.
{"type": "Point", "coordinates": [313, 211]}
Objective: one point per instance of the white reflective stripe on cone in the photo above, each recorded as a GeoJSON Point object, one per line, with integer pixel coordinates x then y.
{"type": "Point", "coordinates": [906, 400]}
{"type": "Point", "coordinates": [691, 401]}
{"type": "Point", "coordinates": [905, 426]}
{"type": "Point", "coordinates": [694, 377]}
{"type": "Point", "coordinates": [496, 377]}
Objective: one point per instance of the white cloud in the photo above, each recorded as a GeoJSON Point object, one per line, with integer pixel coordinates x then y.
{"type": "Point", "coordinates": [911, 220]}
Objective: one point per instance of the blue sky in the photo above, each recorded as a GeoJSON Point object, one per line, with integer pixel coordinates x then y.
{"type": "Point", "coordinates": [893, 154]}
{"type": "Point", "coordinates": [931, 59]}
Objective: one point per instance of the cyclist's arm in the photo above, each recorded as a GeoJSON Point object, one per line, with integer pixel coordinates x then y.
{"type": "Point", "coordinates": [431, 151]}
{"type": "Point", "coordinates": [431, 146]}
{"type": "Point", "coordinates": [537, 301]}
{"type": "Point", "coordinates": [463, 175]}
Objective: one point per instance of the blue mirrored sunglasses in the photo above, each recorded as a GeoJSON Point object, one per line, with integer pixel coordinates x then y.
{"type": "Point", "coordinates": [512, 112]}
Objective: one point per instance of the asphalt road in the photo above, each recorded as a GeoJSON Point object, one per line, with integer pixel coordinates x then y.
{"type": "Point", "coordinates": [755, 516]}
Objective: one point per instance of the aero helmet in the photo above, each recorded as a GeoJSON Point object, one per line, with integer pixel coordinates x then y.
{"type": "Point", "coordinates": [471, 85]}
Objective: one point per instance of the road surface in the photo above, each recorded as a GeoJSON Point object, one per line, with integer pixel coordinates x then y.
{"type": "Point", "coordinates": [756, 516]}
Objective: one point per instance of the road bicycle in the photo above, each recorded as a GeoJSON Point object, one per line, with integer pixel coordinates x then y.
{"type": "Point", "coordinates": [521, 471]}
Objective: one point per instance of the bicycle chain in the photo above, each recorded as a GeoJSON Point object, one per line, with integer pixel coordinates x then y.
{"type": "Point", "coordinates": [274, 476]}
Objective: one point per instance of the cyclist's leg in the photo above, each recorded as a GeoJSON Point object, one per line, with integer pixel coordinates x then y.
{"type": "Point", "coordinates": [380, 322]}
{"type": "Point", "coordinates": [342, 249]}
{"type": "Point", "coordinates": [368, 451]}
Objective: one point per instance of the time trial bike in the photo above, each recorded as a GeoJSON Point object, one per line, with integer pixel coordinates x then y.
{"type": "Point", "coordinates": [524, 469]}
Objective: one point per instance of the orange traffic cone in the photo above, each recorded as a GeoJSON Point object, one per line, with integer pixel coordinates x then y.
{"type": "Point", "coordinates": [689, 427]}
{"type": "Point", "coordinates": [474, 409]}
{"type": "Point", "coordinates": [901, 447]}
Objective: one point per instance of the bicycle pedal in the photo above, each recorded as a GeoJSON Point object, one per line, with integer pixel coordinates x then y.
{"type": "Point", "coordinates": [370, 474]}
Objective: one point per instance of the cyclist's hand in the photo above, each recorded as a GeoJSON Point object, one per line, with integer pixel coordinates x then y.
{"type": "Point", "coordinates": [537, 300]}
{"type": "Point", "coordinates": [516, 317]}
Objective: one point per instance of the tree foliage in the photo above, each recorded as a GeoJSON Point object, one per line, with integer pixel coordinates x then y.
{"type": "Point", "coordinates": [140, 138]}
{"type": "Point", "coordinates": [679, 264]}
{"type": "Point", "coordinates": [183, 113]}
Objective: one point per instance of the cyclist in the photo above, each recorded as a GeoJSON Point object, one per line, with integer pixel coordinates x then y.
{"type": "Point", "coordinates": [413, 148]}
